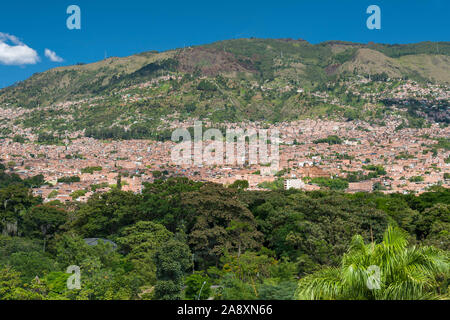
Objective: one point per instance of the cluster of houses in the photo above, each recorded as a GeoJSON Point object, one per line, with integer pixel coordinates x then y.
{"type": "Point", "coordinates": [404, 155]}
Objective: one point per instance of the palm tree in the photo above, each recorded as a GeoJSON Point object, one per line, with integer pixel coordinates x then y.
{"type": "Point", "coordinates": [389, 270]}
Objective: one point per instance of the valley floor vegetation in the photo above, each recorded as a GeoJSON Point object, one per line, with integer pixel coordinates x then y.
{"type": "Point", "coordinates": [181, 239]}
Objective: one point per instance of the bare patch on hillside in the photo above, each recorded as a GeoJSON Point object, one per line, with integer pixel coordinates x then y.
{"type": "Point", "coordinates": [436, 67]}
{"type": "Point", "coordinates": [211, 62]}
{"type": "Point", "coordinates": [373, 62]}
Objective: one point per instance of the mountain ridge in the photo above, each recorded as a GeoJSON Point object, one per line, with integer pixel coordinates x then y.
{"type": "Point", "coordinates": [244, 55]}
{"type": "Point", "coordinates": [236, 80]}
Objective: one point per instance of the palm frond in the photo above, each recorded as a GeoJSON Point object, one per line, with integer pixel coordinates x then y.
{"type": "Point", "coordinates": [405, 273]}
{"type": "Point", "coordinates": [325, 284]}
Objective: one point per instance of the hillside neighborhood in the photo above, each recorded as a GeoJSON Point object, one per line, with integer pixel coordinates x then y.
{"type": "Point", "coordinates": [404, 154]}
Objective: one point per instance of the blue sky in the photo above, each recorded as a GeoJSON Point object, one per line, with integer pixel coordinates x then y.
{"type": "Point", "coordinates": [122, 28]}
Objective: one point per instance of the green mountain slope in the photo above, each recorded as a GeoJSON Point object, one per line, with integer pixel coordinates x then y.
{"type": "Point", "coordinates": [295, 60]}
{"type": "Point", "coordinates": [234, 80]}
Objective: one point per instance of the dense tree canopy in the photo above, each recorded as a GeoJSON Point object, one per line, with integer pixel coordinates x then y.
{"type": "Point", "coordinates": [179, 235]}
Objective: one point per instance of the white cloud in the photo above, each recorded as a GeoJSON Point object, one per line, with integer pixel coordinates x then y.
{"type": "Point", "coordinates": [14, 52]}
{"type": "Point", "coordinates": [53, 56]}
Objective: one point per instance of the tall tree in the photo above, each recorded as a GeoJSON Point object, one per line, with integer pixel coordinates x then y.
{"type": "Point", "coordinates": [219, 222]}
{"type": "Point", "coordinates": [106, 214]}
{"type": "Point", "coordinates": [43, 221]}
{"type": "Point", "coordinates": [140, 243]}
{"type": "Point", "coordinates": [162, 202]}
{"type": "Point", "coordinates": [15, 200]}
{"type": "Point", "coordinates": [172, 261]}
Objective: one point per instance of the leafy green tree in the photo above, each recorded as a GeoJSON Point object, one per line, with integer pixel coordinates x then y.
{"type": "Point", "coordinates": [156, 174]}
{"type": "Point", "coordinates": [240, 185]}
{"type": "Point", "coordinates": [15, 200]}
{"type": "Point", "coordinates": [219, 222]}
{"type": "Point", "coordinates": [272, 290]}
{"type": "Point", "coordinates": [429, 199]}
{"type": "Point", "coordinates": [70, 249]}
{"type": "Point", "coordinates": [206, 85]}
{"type": "Point", "coordinates": [332, 184]}
{"type": "Point", "coordinates": [9, 283]}
{"type": "Point", "coordinates": [378, 170]}
{"type": "Point", "coordinates": [232, 288]}
{"type": "Point", "coordinates": [140, 243]}
{"type": "Point", "coordinates": [8, 179]}
{"type": "Point", "coordinates": [34, 182]}
{"type": "Point", "coordinates": [162, 202]}
{"type": "Point", "coordinates": [52, 194]}
{"type": "Point", "coordinates": [76, 194]}
{"type": "Point", "coordinates": [69, 180]}
{"type": "Point", "coordinates": [91, 170]}
{"type": "Point", "coordinates": [105, 214]}
{"type": "Point", "coordinates": [56, 283]}
{"type": "Point", "coordinates": [10, 245]}
{"type": "Point", "coordinates": [416, 179]}
{"type": "Point", "coordinates": [26, 257]}
{"type": "Point", "coordinates": [378, 186]}
{"type": "Point", "coordinates": [43, 221]}
{"type": "Point", "coordinates": [433, 226]}
{"type": "Point", "coordinates": [143, 237]}
{"type": "Point", "coordinates": [105, 274]}
{"type": "Point", "coordinates": [104, 284]}
{"type": "Point", "coordinates": [32, 264]}
{"type": "Point", "coordinates": [12, 288]}
{"type": "Point", "coordinates": [406, 273]}
{"type": "Point", "coordinates": [249, 266]}
{"type": "Point", "coordinates": [119, 181]}
{"type": "Point", "coordinates": [314, 227]}
{"type": "Point", "coordinates": [330, 140]}
{"type": "Point", "coordinates": [398, 210]}
{"type": "Point", "coordinates": [198, 286]}
{"type": "Point", "coordinates": [173, 259]}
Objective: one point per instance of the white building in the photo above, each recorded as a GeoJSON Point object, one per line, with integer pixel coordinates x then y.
{"type": "Point", "coordinates": [293, 184]}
